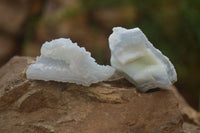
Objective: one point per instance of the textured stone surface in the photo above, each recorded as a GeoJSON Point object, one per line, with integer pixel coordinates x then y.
{"type": "Point", "coordinates": [190, 128]}
{"type": "Point", "coordinates": [107, 107]}
{"type": "Point", "coordinates": [190, 115]}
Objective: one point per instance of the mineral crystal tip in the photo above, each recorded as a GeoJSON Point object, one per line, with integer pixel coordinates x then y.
{"type": "Point", "coordinates": [64, 61]}
{"type": "Point", "coordinates": [138, 60]}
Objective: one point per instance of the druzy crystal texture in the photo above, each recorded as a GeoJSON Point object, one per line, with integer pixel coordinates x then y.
{"type": "Point", "coordinates": [139, 61]}
{"type": "Point", "coordinates": [64, 61]}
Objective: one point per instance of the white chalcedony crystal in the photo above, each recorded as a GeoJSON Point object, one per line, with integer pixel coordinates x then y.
{"type": "Point", "coordinates": [62, 60]}
{"type": "Point", "coordinates": [135, 57]}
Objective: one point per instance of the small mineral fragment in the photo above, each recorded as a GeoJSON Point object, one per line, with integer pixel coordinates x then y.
{"type": "Point", "coordinates": [64, 61]}
{"type": "Point", "coordinates": [139, 61]}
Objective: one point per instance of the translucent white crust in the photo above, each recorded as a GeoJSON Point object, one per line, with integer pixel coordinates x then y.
{"type": "Point", "coordinates": [64, 61]}
{"type": "Point", "coordinates": [135, 57]}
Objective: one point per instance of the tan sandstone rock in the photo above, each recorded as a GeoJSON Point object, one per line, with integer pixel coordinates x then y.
{"type": "Point", "coordinates": [113, 106]}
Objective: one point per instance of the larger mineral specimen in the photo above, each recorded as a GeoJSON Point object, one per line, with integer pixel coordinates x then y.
{"type": "Point", "coordinates": [62, 60]}
{"type": "Point", "coordinates": [135, 57]}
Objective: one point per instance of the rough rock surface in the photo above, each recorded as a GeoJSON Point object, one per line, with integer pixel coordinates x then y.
{"type": "Point", "coordinates": [190, 116]}
{"type": "Point", "coordinates": [108, 107]}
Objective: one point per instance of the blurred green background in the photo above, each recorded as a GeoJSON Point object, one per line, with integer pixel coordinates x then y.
{"type": "Point", "coordinates": [172, 26]}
